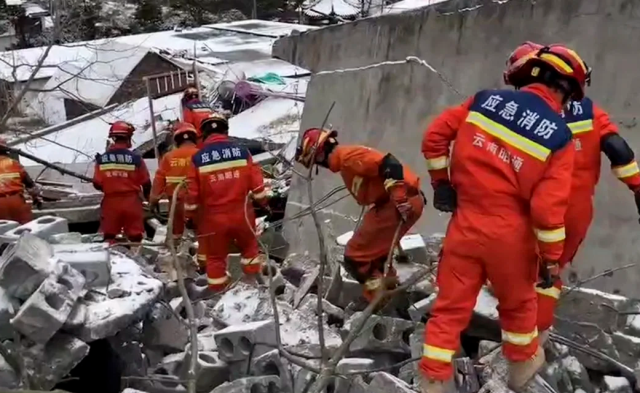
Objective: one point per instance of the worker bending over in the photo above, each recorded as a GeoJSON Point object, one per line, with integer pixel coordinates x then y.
{"type": "Point", "coordinates": [373, 178]}
{"type": "Point", "coordinates": [194, 111]}
{"type": "Point", "coordinates": [172, 171]}
{"type": "Point", "coordinates": [508, 189]}
{"type": "Point", "coordinates": [220, 178]}
{"type": "Point", "coordinates": [13, 181]}
{"type": "Point", "coordinates": [122, 176]}
{"type": "Point", "coordinates": [593, 133]}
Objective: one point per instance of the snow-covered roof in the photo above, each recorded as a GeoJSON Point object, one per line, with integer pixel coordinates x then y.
{"type": "Point", "coordinates": [96, 79]}
{"type": "Point", "coordinates": [259, 67]}
{"type": "Point", "coordinates": [408, 5]}
{"type": "Point", "coordinates": [320, 8]}
{"type": "Point", "coordinates": [263, 27]}
{"type": "Point", "coordinates": [275, 119]}
{"type": "Point", "coordinates": [80, 143]}
{"type": "Point", "coordinates": [33, 9]}
{"type": "Point", "coordinates": [211, 45]}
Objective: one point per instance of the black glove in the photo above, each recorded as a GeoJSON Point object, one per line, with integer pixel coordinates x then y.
{"type": "Point", "coordinates": [444, 197]}
{"type": "Point", "coordinates": [97, 157]}
{"type": "Point", "coordinates": [37, 202]}
{"type": "Point", "coordinates": [636, 195]}
{"type": "Point", "coordinates": [190, 224]}
{"type": "Point", "coordinates": [548, 272]}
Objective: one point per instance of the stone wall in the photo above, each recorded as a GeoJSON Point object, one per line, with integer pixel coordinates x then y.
{"type": "Point", "coordinates": [388, 107]}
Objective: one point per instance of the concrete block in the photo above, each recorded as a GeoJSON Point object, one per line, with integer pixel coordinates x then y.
{"type": "Point", "coordinates": [414, 247]}
{"type": "Point", "coordinates": [266, 384]}
{"type": "Point", "coordinates": [106, 317]}
{"type": "Point", "coordinates": [161, 235]}
{"type": "Point", "coordinates": [386, 383]}
{"type": "Point", "coordinates": [42, 227]}
{"type": "Point", "coordinates": [92, 260]}
{"type": "Point", "coordinates": [56, 359]}
{"type": "Point", "coordinates": [381, 334]}
{"type": "Point", "coordinates": [24, 266]}
{"type": "Point", "coordinates": [236, 342]}
{"type": "Point", "coordinates": [271, 363]}
{"type": "Point", "coordinates": [212, 372]}
{"type": "Point", "coordinates": [167, 384]}
{"type": "Point", "coordinates": [66, 238]}
{"type": "Point", "coordinates": [164, 329]}
{"type": "Point", "coordinates": [44, 313]}
{"type": "Point", "coordinates": [308, 281]}
{"type": "Point", "coordinates": [8, 308]}
{"type": "Point", "coordinates": [335, 315]}
{"type": "Point", "coordinates": [349, 385]}
{"type": "Point", "coordinates": [7, 225]}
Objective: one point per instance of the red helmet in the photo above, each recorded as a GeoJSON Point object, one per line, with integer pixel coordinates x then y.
{"type": "Point", "coordinates": [184, 128]}
{"type": "Point", "coordinates": [562, 62]}
{"type": "Point", "coordinates": [121, 128]}
{"type": "Point", "coordinates": [518, 54]}
{"type": "Point", "coordinates": [312, 145]}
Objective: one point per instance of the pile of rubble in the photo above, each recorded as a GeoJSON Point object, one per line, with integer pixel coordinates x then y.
{"type": "Point", "coordinates": [60, 292]}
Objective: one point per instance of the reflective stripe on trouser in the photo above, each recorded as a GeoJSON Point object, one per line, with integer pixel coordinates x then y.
{"type": "Point", "coordinates": [464, 269]}
{"type": "Point", "coordinates": [547, 300]}
{"type": "Point", "coordinates": [253, 265]}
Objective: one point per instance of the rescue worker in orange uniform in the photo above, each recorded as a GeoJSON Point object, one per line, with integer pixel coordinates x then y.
{"type": "Point", "coordinates": [593, 133]}
{"type": "Point", "coordinates": [122, 176]}
{"type": "Point", "coordinates": [194, 111]}
{"type": "Point", "coordinates": [173, 170]}
{"type": "Point", "coordinates": [13, 180]}
{"type": "Point", "coordinates": [222, 180]}
{"type": "Point", "coordinates": [373, 178]}
{"type": "Point", "coordinates": [508, 188]}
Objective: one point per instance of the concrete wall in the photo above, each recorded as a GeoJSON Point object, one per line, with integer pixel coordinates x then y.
{"type": "Point", "coordinates": [389, 107]}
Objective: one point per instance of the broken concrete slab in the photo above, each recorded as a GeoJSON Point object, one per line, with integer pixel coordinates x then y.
{"type": "Point", "coordinates": [211, 370]}
{"type": "Point", "coordinates": [271, 363]}
{"type": "Point", "coordinates": [42, 227]}
{"type": "Point", "coordinates": [92, 260]}
{"type": "Point", "coordinates": [66, 238]}
{"type": "Point", "coordinates": [8, 377]}
{"type": "Point", "coordinates": [278, 282]}
{"type": "Point", "coordinates": [7, 225]}
{"type": "Point", "coordinates": [51, 362]}
{"type": "Point", "coordinates": [266, 384]}
{"type": "Point", "coordinates": [386, 383]}
{"type": "Point", "coordinates": [164, 329]}
{"type": "Point", "coordinates": [414, 248]}
{"type": "Point", "coordinates": [47, 309]}
{"type": "Point", "coordinates": [8, 308]}
{"type": "Point", "coordinates": [308, 281]}
{"type": "Point", "coordinates": [434, 246]}
{"type": "Point", "coordinates": [24, 266]}
{"type": "Point", "coordinates": [335, 315]}
{"type": "Point", "coordinates": [108, 316]}
{"type": "Point", "coordinates": [381, 334]}
{"type": "Point", "coordinates": [494, 374]}
{"type": "Point", "coordinates": [616, 385]}
{"type": "Point", "coordinates": [166, 384]}
{"type": "Point", "coordinates": [238, 342]}
{"type": "Point", "coordinates": [351, 365]}
{"type": "Point", "coordinates": [465, 376]}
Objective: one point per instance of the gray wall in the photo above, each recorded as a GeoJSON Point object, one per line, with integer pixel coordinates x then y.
{"type": "Point", "coordinates": [389, 107]}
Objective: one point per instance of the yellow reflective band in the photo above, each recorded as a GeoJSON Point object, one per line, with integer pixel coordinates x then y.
{"type": "Point", "coordinates": [434, 164]}
{"type": "Point", "coordinates": [579, 127]}
{"type": "Point", "coordinates": [190, 207]}
{"type": "Point", "coordinates": [217, 281]}
{"type": "Point", "coordinates": [509, 137]}
{"type": "Point", "coordinates": [201, 257]}
{"type": "Point", "coordinates": [552, 292]}
{"type": "Point", "coordinates": [119, 167]}
{"type": "Point", "coordinates": [439, 354]}
{"type": "Point", "coordinates": [222, 165]}
{"type": "Point", "coordinates": [550, 236]}
{"type": "Point", "coordinates": [175, 179]}
{"type": "Point", "coordinates": [372, 284]}
{"type": "Point", "coordinates": [557, 61]}
{"type": "Point", "coordinates": [520, 339]}
{"type": "Point", "coordinates": [628, 170]}
{"type": "Point", "coordinates": [11, 175]}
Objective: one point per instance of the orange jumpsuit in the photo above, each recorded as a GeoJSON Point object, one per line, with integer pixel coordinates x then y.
{"type": "Point", "coordinates": [369, 247]}
{"type": "Point", "coordinates": [173, 170]}
{"type": "Point", "coordinates": [220, 177]}
{"type": "Point", "coordinates": [589, 124]}
{"type": "Point", "coordinates": [511, 168]}
{"type": "Point", "coordinates": [194, 111]}
{"type": "Point", "coordinates": [13, 179]}
{"type": "Point", "coordinates": [121, 175]}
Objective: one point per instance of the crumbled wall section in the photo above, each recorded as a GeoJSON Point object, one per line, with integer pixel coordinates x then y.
{"type": "Point", "coordinates": [388, 107]}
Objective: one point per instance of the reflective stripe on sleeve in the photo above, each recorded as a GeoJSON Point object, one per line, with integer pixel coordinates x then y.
{"type": "Point", "coordinates": [439, 354]}
{"type": "Point", "coordinates": [520, 339]}
{"type": "Point", "coordinates": [437, 163]}
{"type": "Point", "coordinates": [10, 175]}
{"type": "Point", "coordinates": [552, 292]}
{"type": "Point", "coordinates": [625, 171]}
{"type": "Point", "coordinates": [579, 127]}
{"type": "Point", "coordinates": [550, 236]}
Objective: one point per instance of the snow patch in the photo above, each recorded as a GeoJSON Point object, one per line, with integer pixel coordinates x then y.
{"type": "Point", "coordinates": [615, 383]}
{"type": "Point", "coordinates": [486, 304]}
